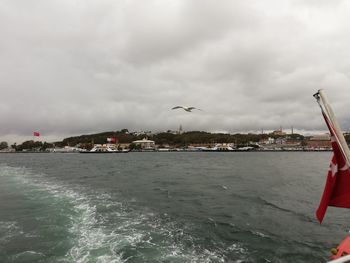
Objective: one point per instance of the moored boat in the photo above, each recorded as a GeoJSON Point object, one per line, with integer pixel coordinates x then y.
{"type": "Point", "coordinates": [105, 148]}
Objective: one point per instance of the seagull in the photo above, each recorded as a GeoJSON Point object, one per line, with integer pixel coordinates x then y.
{"type": "Point", "coordinates": [188, 109]}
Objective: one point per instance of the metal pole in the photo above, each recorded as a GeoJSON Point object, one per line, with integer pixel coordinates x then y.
{"type": "Point", "coordinates": [343, 259]}
{"type": "Point", "coordinates": [328, 111]}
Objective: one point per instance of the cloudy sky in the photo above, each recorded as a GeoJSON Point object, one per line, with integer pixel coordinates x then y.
{"type": "Point", "coordinates": [69, 67]}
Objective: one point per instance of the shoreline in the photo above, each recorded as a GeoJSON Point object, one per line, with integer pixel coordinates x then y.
{"type": "Point", "coordinates": [171, 151]}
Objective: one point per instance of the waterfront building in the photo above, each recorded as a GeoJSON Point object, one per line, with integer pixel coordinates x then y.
{"type": "Point", "coordinates": [280, 141]}
{"type": "Point", "coordinates": [319, 141]}
{"type": "Point", "coordinates": [269, 140]}
{"type": "Point", "coordinates": [7, 150]}
{"type": "Point", "coordinates": [145, 144]}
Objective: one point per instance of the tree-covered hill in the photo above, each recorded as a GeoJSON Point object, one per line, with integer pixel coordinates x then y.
{"type": "Point", "coordinates": [172, 139]}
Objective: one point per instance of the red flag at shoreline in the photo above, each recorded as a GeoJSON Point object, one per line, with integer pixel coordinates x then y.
{"type": "Point", "coordinates": [112, 140]}
{"type": "Point", "coordinates": [36, 134]}
{"type": "Point", "coordinates": [337, 189]}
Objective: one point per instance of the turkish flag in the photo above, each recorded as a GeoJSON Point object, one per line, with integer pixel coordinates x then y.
{"type": "Point", "coordinates": [337, 189]}
{"type": "Point", "coordinates": [112, 140]}
{"type": "Point", "coordinates": [37, 134]}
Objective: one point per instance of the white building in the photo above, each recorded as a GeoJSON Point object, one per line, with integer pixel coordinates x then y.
{"type": "Point", "coordinates": [267, 141]}
{"type": "Point", "coordinates": [145, 144]}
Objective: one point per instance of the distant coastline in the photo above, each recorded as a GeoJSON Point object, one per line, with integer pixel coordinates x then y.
{"type": "Point", "coordinates": [182, 151]}
{"type": "Point", "coordinates": [178, 141]}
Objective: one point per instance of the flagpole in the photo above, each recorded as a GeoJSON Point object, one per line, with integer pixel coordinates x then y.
{"type": "Point", "coordinates": [328, 111]}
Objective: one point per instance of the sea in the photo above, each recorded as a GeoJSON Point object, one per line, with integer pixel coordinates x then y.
{"type": "Point", "coordinates": [166, 207]}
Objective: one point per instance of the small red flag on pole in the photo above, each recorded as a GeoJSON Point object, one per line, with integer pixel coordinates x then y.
{"type": "Point", "coordinates": [337, 189]}
{"type": "Point", "coordinates": [112, 140]}
{"type": "Point", "coordinates": [36, 134]}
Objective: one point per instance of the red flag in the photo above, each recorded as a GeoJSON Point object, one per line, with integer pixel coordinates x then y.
{"type": "Point", "coordinates": [37, 134]}
{"type": "Point", "coordinates": [337, 189]}
{"type": "Point", "coordinates": [112, 140]}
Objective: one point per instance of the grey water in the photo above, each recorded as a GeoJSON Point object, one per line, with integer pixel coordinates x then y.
{"type": "Point", "coordinates": [166, 207]}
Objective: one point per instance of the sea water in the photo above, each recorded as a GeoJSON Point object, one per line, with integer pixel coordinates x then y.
{"type": "Point", "coordinates": [166, 207]}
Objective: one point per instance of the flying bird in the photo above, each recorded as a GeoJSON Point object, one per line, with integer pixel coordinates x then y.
{"type": "Point", "coordinates": [188, 109]}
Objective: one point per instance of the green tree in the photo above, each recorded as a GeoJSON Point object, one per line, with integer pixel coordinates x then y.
{"type": "Point", "coordinates": [46, 145]}
{"type": "Point", "coordinates": [3, 145]}
{"type": "Point", "coordinates": [136, 147]}
{"type": "Point", "coordinates": [14, 146]}
{"type": "Point", "coordinates": [29, 145]}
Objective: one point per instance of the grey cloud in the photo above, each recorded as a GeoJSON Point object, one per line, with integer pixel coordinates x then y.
{"type": "Point", "coordinates": [71, 67]}
{"type": "Point", "coordinates": [166, 29]}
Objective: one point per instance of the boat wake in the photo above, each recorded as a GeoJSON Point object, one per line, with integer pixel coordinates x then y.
{"type": "Point", "coordinates": [100, 227]}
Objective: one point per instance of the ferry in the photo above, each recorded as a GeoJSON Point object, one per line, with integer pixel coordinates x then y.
{"type": "Point", "coordinates": [105, 148]}
{"type": "Point", "coordinates": [220, 147]}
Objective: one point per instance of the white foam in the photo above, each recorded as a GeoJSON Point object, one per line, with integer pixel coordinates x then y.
{"type": "Point", "coordinates": [8, 230]}
{"type": "Point", "coordinates": [237, 248]}
{"type": "Point", "coordinates": [28, 256]}
{"type": "Point", "coordinates": [260, 234]}
{"type": "Point", "coordinates": [105, 236]}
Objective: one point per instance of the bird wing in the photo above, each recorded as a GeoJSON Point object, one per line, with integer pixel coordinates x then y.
{"type": "Point", "coordinates": [177, 107]}
{"type": "Point", "coordinates": [194, 108]}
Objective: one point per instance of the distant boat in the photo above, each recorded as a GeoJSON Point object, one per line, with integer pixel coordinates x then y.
{"type": "Point", "coordinates": [220, 147]}
{"type": "Point", "coordinates": [246, 148]}
{"type": "Point", "coordinates": [105, 148]}
{"type": "Point", "coordinates": [66, 149]}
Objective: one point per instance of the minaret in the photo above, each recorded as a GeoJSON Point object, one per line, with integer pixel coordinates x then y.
{"type": "Point", "coordinates": [180, 129]}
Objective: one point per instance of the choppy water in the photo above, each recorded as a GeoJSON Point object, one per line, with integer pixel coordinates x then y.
{"type": "Point", "coordinates": [166, 207]}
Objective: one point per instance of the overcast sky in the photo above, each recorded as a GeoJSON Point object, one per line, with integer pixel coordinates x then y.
{"type": "Point", "coordinates": [69, 67]}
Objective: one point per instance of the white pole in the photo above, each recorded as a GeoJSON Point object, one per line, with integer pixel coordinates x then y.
{"type": "Point", "coordinates": [343, 259]}
{"type": "Point", "coordinates": [328, 111]}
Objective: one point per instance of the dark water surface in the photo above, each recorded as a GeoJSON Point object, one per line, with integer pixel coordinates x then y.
{"type": "Point", "coordinates": [166, 207]}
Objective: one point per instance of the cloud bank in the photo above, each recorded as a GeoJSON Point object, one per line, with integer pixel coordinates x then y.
{"type": "Point", "coordinates": [71, 67]}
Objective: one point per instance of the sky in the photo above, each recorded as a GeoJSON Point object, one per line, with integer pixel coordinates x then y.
{"type": "Point", "coordinates": [71, 67]}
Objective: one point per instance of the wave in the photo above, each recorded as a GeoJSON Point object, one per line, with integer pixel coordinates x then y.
{"type": "Point", "coordinates": [264, 202]}
{"type": "Point", "coordinates": [104, 228]}
{"type": "Point", "coordinates": [8, 230]}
